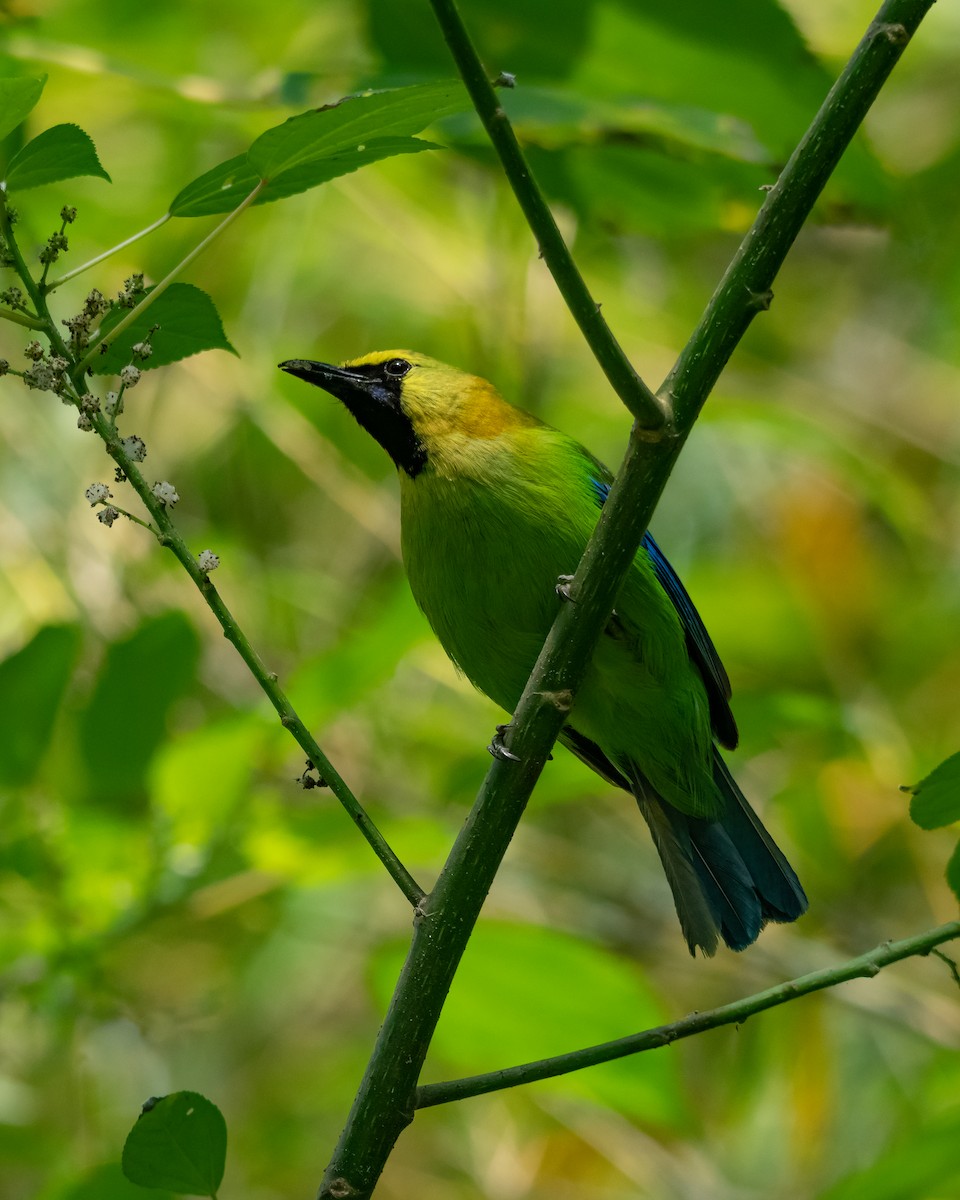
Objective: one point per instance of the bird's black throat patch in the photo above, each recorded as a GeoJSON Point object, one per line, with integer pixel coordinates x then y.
{"type": "Point", "coordinates": [372, 395]}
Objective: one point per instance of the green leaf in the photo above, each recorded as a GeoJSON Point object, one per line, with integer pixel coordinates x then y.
{"type": "Point", "coordinates": [320, 145]}
{"type": "Point", "coordinates": [953, 871]}
{"type": "Point", "coordinates": [58, 153]}
{"type": "Point", "coordinates": [17, 98]}
{"type": "Point", "coordinates": [936, 799]}
{"type": "Point", "coordinates": [351, 124]}
{"type": "Point", "coordinates": [179, 1142]}
{"type": "Point", "coordinates": [221, 189]}
{"type": "Point", "coordinates": [125, 720]}
{"type": "Point", "coordinates": [188, 321]}
{"type": "Point", "coordinates": [32, 683]}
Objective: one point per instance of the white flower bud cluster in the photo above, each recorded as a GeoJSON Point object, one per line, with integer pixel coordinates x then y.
{"type": "Point", "coordinates": [47, 372]}
{"type": "Point", "coordinates": [166, 493]}
{"type": "Point", "coordinates": [97, 493]}
{"type": "Point", "coordinates": [135, 447]}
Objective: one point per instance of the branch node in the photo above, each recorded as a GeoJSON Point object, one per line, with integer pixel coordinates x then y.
{"type": "Point", "coordinates": [562, 701]}
{"type": "Point", "coordinates": [760, 301]}
{"type": "Point", "coordinates": [895, 34]}
{"type": "Point", "coordinates": [342, 1189]}
{"type": "Point", "coordinates": [288, 721]}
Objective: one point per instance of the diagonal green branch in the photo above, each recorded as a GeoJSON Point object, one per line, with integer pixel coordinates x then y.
{"type": "Point", "coordinates": [623, 378]}
{"type": "Point", "coordinates": [169, 536]}
{"type": "Point", "coordinates": [864, 967]}
{"type": "Point", "coordinates": [385, 1101]}
{"type": "Point", "coordinates": [92, 262]}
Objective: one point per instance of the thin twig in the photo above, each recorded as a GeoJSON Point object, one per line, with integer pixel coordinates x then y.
{"type": "Point", "coordinates": [21, 318]}
{"type": "Point", "coordinates": [106, 254]}
{"type": "Point", "coordinates": [951, 964]}
{"type": "Point", "coordinates": [642, 403]}
{"type": "Point", "coordinates": [157, 291]}
{"type": "Point", "coordinates": [864, 967]}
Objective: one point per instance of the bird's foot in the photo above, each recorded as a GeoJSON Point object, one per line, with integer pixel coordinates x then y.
{"type": "Point", "coordinates": [563, 587]}
{"type": "Point", "coordinates": [498, 749]}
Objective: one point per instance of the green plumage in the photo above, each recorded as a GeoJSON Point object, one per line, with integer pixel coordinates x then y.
{"type": "Point", "coordinates": [483, 551]}
{"type": "Point", "coordinates": [495, 507]}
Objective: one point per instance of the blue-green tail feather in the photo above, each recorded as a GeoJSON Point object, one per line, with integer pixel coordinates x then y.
{"type": "Point", "coordinates": [728, 876]}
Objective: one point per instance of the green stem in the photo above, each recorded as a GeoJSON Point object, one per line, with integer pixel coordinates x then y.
{"type": "Point", "coordinates": [130, 517]}
{"type": "Point", "coordinates": [23, 271]}
{"type": "Point", "coordinates": [864, 967]}
{"type": "Point", "coordinates": [386, 1098]}
{"type": "Point", "coordinates": [50, 287]}
{"type": "Point", "coordinates": [167, 534]}
{"type": "Point", "coordinates": [645, 407]}
{"type": "Point", "coordinates": [157, 291]}
{"type": "Point", "coordinates": [21, 318]}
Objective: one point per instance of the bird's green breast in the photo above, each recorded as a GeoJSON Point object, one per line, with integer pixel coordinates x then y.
{"type": "Point", "coordinates": [483, 545]}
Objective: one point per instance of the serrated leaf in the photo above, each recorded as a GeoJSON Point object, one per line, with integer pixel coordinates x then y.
{"type": "Point", "coordinates": [179, 1142]}
{"type": "Point", "coordinates": [62, 152]}
{"type": "Point", "coordinates": [352, 124]}
{"type": "Point", "coordinates": [953, 871]}
{"type": "Point", "coordinates": [221, 189]}
{"type": "Point", "coordinates": [936, 799]}
{"type": "Point", "coordinates": [17, 98]}
{"type": "Point", "coordinates": [218, 190]}
{"type": "Point", "coordinates": [188, 321]}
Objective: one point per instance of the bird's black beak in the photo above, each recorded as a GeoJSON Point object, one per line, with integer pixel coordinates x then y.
{"type": "Point", "coordinates": [373, 398]}
{"type": "Point", "coordinates": [349, 386]}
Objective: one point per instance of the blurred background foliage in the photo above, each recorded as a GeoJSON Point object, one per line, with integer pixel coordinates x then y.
{"type": "Point", "coordinates": [177, 914]}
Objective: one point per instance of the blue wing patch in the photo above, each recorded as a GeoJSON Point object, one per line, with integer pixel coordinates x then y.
{"type": "Point", "coordinates": [601, 490]}
{"type": "Point", "coordinates": [699, 643]}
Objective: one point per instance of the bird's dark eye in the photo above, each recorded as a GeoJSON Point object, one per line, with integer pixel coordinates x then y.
{"type": "Point", "coordinates": [396, 368]}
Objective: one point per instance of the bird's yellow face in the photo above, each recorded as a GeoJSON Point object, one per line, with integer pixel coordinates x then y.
{"type": "Point", "coordinates": [416, 407]}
